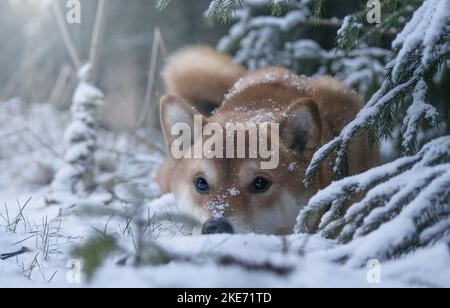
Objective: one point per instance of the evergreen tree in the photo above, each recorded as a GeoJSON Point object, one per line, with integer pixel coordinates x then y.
{"type": "Point", "coordinates": [259, 39]}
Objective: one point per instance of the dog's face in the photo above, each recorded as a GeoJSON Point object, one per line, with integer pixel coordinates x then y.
{"type": "Point", "coordinates": [251, 198]}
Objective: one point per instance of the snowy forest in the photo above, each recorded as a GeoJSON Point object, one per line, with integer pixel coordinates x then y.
{"type": "Point", "coordinates": [81, 143]}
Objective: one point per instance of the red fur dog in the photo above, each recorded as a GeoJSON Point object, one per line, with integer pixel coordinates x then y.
{"type": "Point", "coordinates": [237, 191]}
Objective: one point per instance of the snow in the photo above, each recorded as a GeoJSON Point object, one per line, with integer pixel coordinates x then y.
{"type": "Point", "coordinates": [292, 166]}
{"type": "Point", "coordinates": [417, 110]}
{"type": "Point", "coordinates": [404, 205]}
{"type": "Point", "coordinates": [430, 153]}
{"type": "Point", "coordinates": [217, 207]}
{"type": "Point", "coordinates": [234, 192]}
{"type": "Point", "coordinates": [84, 71]}
{"type": "Point", "coordinates": [348, 24]}
{"type": "Point", "coordinates": [307, 256]}
{"type": "Point", "coordinates": [86, 93]}
{"type": "Point", "coordinates": [373, 107]}
{"type": "Point", "coordinates": [401, 188]}
{"type": "Point", "coordinates": [345, 25]}
{"type": "Point", "coordinates": [441, 18]}
{"type": "Point", "coordinates": [401, 229]}
{"type": "Point", "coordinates": [423, 31]}
{"type": "Point", "coordinates": [255, 34]}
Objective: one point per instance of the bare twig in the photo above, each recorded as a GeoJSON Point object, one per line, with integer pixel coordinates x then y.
{"type": "Point", "coordinates": [44, 143]}
{"type": "Point", "coordinates": [58, 91]}
{"type": "Point", "coordinates": [14, 133]}
{"type": "Point", "coordinates": [280, 270]}
{"type": "Point", "coordinates": [162, 44]}
{"type": "Point", "coordinates": [147, 104]}
{"type": "Point", "coordinates": [70, 46]}
{"type": "Point", "coordinates": [96, 36]}
{"type": "Point", "coordinates": [10, 255]}
{"type": "Point", "coordinates": [29, 61]}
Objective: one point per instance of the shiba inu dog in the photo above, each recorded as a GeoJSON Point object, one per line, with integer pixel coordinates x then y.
{"type": "Point", "coordinates": [236, 193]}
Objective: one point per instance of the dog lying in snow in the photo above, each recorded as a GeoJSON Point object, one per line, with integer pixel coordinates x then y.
{"type": "Point", "coordinates": [236, 193]}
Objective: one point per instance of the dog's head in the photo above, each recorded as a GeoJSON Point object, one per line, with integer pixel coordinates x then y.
{"type": "Point", "coordinates": [247, 191]}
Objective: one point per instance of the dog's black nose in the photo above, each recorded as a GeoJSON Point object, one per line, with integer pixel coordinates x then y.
{"type": "Point", "coordinates": [217, 226]}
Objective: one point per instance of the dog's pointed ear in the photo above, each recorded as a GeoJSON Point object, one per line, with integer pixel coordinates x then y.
{"type": "Point", "coordinates": [175, 111]}
{"type": "Point", "coordinates": [300, 127]}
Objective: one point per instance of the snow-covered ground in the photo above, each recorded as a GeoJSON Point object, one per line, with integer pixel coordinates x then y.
{"type": "Point", "coordinates": [223, 260]}
{"type": "Point", "coordinates": [29, 151]}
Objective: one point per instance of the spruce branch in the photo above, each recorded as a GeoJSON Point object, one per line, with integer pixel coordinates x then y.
{"type": "Point", "coordinates": [161, 4]}
{"type": "Point", "coordinates": [280, 7]}
{"type": "Point", "coordinates": [354, 30]}
{"type": "Point", "coordinates": [348, 34]}
{"type": "Point", "coordinates": [422, 46]}
{"type": "Point", "coordinates": [259, 40]}
{"type": "Point", "coordinates": [317, 10]}
{"type": "Point", "coordinates": [419, 112]}
{"type": "Point", "coordinates": [388, 200]}
{"type": "Point", "coordinates": [223, 10]}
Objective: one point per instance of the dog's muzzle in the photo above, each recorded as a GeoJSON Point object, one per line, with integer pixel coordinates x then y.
{"type": "Point", "coordinates": [217, 226]}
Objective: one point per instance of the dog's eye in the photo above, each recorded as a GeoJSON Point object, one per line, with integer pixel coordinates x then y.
{"type": "Point", "coordinates": [202, 185]}
{"type": "Point", "coordinates": [260, 185]}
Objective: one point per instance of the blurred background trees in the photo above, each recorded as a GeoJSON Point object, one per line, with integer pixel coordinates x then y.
{"type": "Point", "coordinates": [34, 64]}
{"type": "Point", "coordinates": [33, 56]}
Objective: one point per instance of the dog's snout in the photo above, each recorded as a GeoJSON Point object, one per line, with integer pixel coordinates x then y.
{"type": "Point", "coordinates": [217, 226]}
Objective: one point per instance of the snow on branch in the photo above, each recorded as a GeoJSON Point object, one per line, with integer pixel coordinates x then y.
{"type": "Point", "coordinates": [348, 34]}
{"type": "Point", "coordinates": [80, 139]}
{"type": "Point", "coordinates": [428, 26]}
{"type": "Point", "coordinates": [261, 30]}
{"type": "Point", "coordinates": [423, 44]}
{"type": "Point", "coordinates": [394, 214]}
{"type": "Point", "coordinates": [418, 111]}
{"type": "Point", "coordinates": [222, 10]}
{"type": "Point", "coordinates": [342, 191]}
{"type": "Point", "coordinates": [258, 41]}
